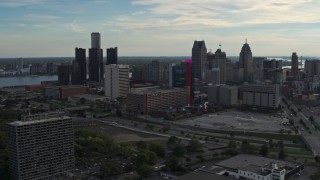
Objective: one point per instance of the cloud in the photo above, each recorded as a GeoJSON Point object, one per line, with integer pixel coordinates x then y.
{"type": "Point", "coordinates": [19, 3]}
{"type": "Point", "coordinates": [75, 28]}
{"type": "Point", "coordinates": [41, 17]}
{"type": "Point", "coordinates": [234, 13]}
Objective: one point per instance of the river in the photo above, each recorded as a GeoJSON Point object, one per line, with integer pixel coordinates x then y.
{"type": "Point", "coordinates": [25, 80]}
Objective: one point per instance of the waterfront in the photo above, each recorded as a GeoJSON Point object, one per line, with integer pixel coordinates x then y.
{"type": "Point", "coordinates": [25, 80]}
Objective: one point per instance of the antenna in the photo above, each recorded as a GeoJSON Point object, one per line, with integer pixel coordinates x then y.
{"type": "Point", "coordinates": [220, 45]}
{"type": "Point", "coordinates": [301, 63]}
{"type": "Point", "coordinates": [246, 41]}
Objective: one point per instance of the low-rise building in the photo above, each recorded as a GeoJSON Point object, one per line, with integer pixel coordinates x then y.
{"type": "Point", "coordinates": [151, 99]}
{"type": "Point", "coordinates": [260, 96]}
{"type": "Point", "coordinates": [223, 94]}
{"type": "Point", "coordinates": [64, 92]}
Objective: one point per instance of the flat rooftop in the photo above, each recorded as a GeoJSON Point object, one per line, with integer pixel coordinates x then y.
{"type": "Point", "coordinates": [39, 118]}
{"type": "Point", "coordinates": [202, 175]}
{"type": "Point", "coordinates": [254, 163]}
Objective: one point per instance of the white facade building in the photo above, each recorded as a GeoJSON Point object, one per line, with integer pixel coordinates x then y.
{"type": "Point", "coordinates": [116, 80]}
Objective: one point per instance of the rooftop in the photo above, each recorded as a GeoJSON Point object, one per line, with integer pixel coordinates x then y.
{"type": "Point", "coordinates": [202, 175]}
{"type": "Point", "coordinates": [40, 118]}
{"type": "Point", "coordinates": [254, 163]}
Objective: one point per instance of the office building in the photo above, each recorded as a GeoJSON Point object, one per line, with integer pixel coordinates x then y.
{"type": "Point", "coordinates": [229, 72]}
{"type": "Point", "coordinates": [219, 62]}
{"type": "Point", "coordinates": [152, 99]}
{"type": "Point", "coordinates": [37, 68]}
{"type": "Point", "coordinates": [210, 59]}
{"type": "Point", "coordinates": [312, 67]}
{"type": "Point", "coordinates": [259, 96]}
{"type": "Point", "coordinates": [155, 72]}
{"type": "Point", "coordinates": [95, 40]}
{"type": "Point", "coordinates": [223, 94]}
{"type": "Point", "coordinates": [96, 58]}
{"type": "Point", "coordinates": [177, 75]}
{"type": "Point", "coordinates": [139, 74]}
{"type": "Point", "coordinates": [64, 71]}
{"type": "Point", "coordinates": [246, 62]}
{"type": "Point", "coordinates": [41, 146]}
{"type": "Point", "coordinates": [116, 80]}
{"type": "Point", "coordinates": [76, 78]}
{"type": "Point", "coordinates": [189, 81]}
{"type": "Point", "coordinates": [112, 56]}
{"type": "Point", "coordinates": [95, 64]}
{"type": "Point", "coordinates": [199, 59]}
{"type": "Point", "coordinates": [294, 64]}
{"type": "Point", "coordinates": [80, 58]}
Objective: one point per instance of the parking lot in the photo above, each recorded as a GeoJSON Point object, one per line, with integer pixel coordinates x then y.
{"type": "Point", "coordinates": [238, 120]}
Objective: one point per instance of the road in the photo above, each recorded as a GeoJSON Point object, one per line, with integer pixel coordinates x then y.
{"type": "Point", "coordinates": [312, 140]}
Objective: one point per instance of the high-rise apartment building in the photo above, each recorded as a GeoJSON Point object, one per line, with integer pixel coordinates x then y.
{"type": "Point", "coordinates": [199, 59]}
{"type": "Point", "coordinates": [112, 56]}
{"type": "Point", "coordinates": [64, 71]}
{"type": "Point", "coordinates": [80, 58]}
{"type": "Point", "coordinates": [294, 64]}
{"type": "Point", "coordinates": [312, 67]}
{"type": "Point", "coordinates": [40, 146]}
{"type": "Point", "coordinates": [246, 62]}
{"type": "Point", "coordinates": [116, 80]}
{"type": "Point", "coordinates": [177, 75]}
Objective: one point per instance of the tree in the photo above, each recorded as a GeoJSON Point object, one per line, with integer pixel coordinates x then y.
{"type": "Point", "coordinates": [280, 144]}
{"type": "Point", "coordinates": [141, 145]}
{"type": "Point", "coordinates": [119, 113]}
{"type": "Point", "coordinates": [152, 157]}
{"type": "Point", "coordinates": [141, 159]}
{"type": "Point", "coordinates": [172, 140]}
{"type": "Point", "coordinates": [178, 150]}
{"type": "Point", "coordinates": [311, 118]}
{"type": "Point", "coordinates": [317, 159]}
{"type": "Point", "coordinates": [144, 170]}
{"type": "Point", "coordinates": [264, 150]}
{"type": "Point", "coordinates": [291, 122]}
{"type": "Point", "coordinates": [246, 147]}
{"type": "Point", "coordinates": [282, 154]}
{"type": "Point", "coordinates": [158, 149]}
{"type": "Point", "coordinates": [232, 144]}
{"type": "Point", "coordinates": [195, 145]}
{"type": "Point", "coordinates": [165, 129]}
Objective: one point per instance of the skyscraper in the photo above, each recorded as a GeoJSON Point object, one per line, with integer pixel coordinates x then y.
{"type": "Point", "coordinates": [40, 146]}
{"type": "Point", "coordinates": [116, 80]}
{"type": "Point", "coordinates": [199, 59]}
{"type": "Point", "coordinates": [64, 71]}
{"type": "Point", "coordinates": [95, 40]}
{"type": "Point", "coordinates": [76, 74]}
{"type": "Point", "coordinates": [95, 58]}
{"type": "Point", "coordinates": [219, 62]}
{"type": "Point", "coordinates": [246, 62]}
{"type": "Point", "coordinates": [112, 56]}
{"type": "Point", "coordinates": [80, 58]}
{"type": "Point", "coordinates": [294, 64]}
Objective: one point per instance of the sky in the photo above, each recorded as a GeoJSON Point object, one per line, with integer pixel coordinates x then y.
{"type": "Point", "coordinates": [53, 28]}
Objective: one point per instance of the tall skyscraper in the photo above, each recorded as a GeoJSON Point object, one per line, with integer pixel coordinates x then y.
{"type": "Point", "coordinates": [116, 80]}
{"type": "Point", "coordinates": [64, 71]}
{"type": "Point", "coordinates": [294, 64]}
{"type": "Point", "coordinates": [95, 40]}
{"type": "Point", "coordinates": [80, 58]}
{"type": "Point", "coordinates": [219, 62]}
{"type": "Point", "coordinates": [95, 58]}
{"type": "Point", "coordinates": [40, 146]}
{"type": "Point", "coordinates": [189, 81]}
{"type": "Point", "coordinates": [95, 64]}
{"type": "Point", "coordinates": [199, 59]}
{"type": "Point", "coordinates": [246, 62]}
{"type": "Point", "coordinates": [112, 56]}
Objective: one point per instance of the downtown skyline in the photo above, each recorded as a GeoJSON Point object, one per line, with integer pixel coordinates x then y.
{"type": "Point", "coordinates": [42, 28]}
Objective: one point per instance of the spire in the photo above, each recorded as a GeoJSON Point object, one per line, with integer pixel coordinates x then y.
{"type": "Point", "coordinates": [246, 41]}
{"type": "Point", "coordinates": [220, 45]}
